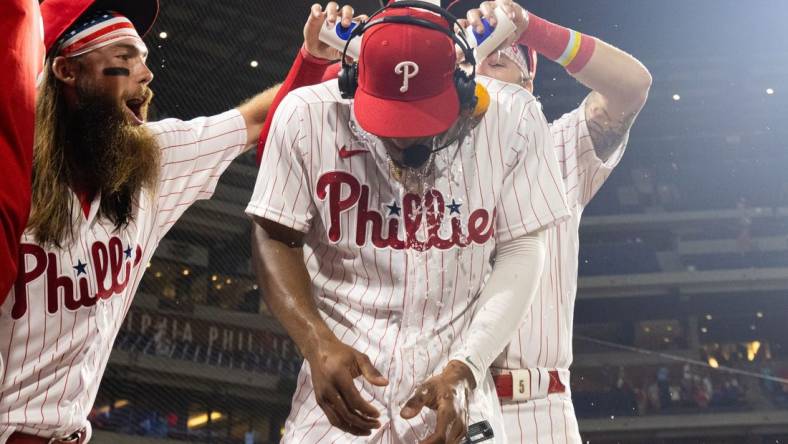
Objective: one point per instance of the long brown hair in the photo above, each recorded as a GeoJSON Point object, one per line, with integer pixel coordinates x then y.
{"type": "Point", "coordinates": [69, 152]}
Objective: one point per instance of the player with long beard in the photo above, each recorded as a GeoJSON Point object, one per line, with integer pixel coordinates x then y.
{"type": "Point", "coordinates": [532, 374]}
{"type": "Point", "coordinates": [107, 186]}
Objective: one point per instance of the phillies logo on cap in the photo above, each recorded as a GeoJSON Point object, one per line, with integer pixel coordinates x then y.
{"type": "Point", "coordinates": [407, 70]}
{"type": "Point", "coordinates": [406, 77]}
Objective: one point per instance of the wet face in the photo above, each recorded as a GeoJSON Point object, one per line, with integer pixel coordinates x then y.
{"type": "Point", "coordinates": [500, 67]}
{"type": "Point", "coordinates": [396, 148]}
{"type": "Point", "coordinates": [116, 72]}
{"type": "Point", "coordinates": [403, 143]}
{"type": "Point", "coordinates": [414, 151]}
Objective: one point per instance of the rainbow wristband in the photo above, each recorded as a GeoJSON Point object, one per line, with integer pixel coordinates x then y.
{"type": "Point", "coordinates": [566, 46]}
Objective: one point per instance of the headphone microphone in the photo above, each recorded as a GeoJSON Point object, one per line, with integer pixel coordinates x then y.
{"type": "Point", "coordinates": [415, 156]}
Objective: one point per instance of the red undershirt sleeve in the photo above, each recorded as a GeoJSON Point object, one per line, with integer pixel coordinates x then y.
{"type": "Point", "coordinates": [21, 58]}
{"type": "Point", "coordinates": [306, 70]}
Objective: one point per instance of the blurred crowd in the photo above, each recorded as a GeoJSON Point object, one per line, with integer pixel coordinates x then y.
{"type": "Point", "coordinates": [660, 390]}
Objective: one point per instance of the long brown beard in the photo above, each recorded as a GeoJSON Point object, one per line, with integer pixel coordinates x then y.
{"type": "Point", "coordinates": [108, 154]}
{"type": "Point", "coordinates": [93, 149]}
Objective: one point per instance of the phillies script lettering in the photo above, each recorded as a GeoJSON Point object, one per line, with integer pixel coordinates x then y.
{"type": "Point", "coordinates": [112, 265]}
{"type": "Point", "coordinates": [343, 191]}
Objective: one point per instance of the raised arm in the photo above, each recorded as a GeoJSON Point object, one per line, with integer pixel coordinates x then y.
{"type": "Point", "coordinates": [619, 86]}
{"type": "Point", "coordinates": [255, 110]}
{"type": "Point", "coordinates": [619, 82]}
{"type": "Point", "coordinates": [307, 69]}
{"type": "Point", "coordinates": [21, 52]}
{"type": "Point", "coordinates": [312, 59]}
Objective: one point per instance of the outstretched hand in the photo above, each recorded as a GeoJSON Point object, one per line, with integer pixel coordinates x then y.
{"type": "Point", "coordinates": [334, 366]}
{"type": "Point", "coordinates": [447, 394]}
{"type": "Point", "coordinates": [328, 18]}
{"type": "Point", "coordinates": [486, 11]}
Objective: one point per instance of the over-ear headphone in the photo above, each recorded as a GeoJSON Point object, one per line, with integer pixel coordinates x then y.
{"type": "Point", "coordinates": [464, 82]}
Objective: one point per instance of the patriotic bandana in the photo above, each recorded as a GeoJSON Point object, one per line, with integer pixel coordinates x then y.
{"type": "Point", "coordinates": [515, 54]}
{"type": "Point", "coordinates": [97, 30]}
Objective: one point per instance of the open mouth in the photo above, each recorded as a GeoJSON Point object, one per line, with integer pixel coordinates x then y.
{"type": "Point", "coordinates": [134, 106]}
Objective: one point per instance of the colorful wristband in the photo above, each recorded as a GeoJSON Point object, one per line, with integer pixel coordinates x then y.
{"type": "Point", "coordinates": [568, 47]}
{"type": "Point", "coordinates": [583, 55]}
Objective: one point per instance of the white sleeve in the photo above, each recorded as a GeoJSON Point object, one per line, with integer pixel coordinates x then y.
{"type": "Point", "coordinates": [533, 195]}
{"type": "Point", "coordinates": [584, 172]}
{"type": "Point", "coordinates": [504, 302]}
{"type": "Point", "coordinates": [282, 191]}
{"type": "Point", "coordinates": [195, 153]}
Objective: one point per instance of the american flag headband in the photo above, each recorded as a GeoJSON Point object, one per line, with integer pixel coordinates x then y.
{"type": "Point", "coordinates": [97, 31]}
{"type": "Point", "coordinates": [515, 54]}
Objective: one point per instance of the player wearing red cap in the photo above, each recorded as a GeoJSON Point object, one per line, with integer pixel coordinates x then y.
{"type": "Point", "coordinates": [107, 186]}
{"type": "Point", "coordinates": [22, 54]}
{"type": "Point", "coordinates": [380, 207]}
{"type": "Point", "coordinates": [532, 374]}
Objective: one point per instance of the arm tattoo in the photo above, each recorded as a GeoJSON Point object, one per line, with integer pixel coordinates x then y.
{"type": "Point", "coordinates": [607, 132]}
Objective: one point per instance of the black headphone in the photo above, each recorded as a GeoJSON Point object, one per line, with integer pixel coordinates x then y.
{"type": "Point", "coordinates": [464, 82]}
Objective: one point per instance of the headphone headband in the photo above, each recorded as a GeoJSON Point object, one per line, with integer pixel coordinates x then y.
{"type": "Point", "coordinates": [464, 83]}
{"type": "Point", "coordinates": [448, 16]}
{"type": "Point", "coordinates": [458, 38]}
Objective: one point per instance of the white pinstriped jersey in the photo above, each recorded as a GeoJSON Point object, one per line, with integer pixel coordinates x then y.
{"type": "Point", "coordinates": [395, 273]}
{"type": "Point", "coordinates": [545, 338]}
{"type": "Point", "coordinates": [60, 320]}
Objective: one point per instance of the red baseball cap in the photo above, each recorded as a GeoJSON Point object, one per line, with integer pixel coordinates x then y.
{"type": "Point", "coordinates": [406, 78]}
{"type": "Point", "coordinates": [59, 15]}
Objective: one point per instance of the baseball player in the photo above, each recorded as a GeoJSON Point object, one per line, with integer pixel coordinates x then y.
{"type": "Point", "coordinates": [532, 374]}
{"type": "Point", "coordinates": [378, 220]}
{"type": "Point", "coordinates": [107, 186]}
{"type": "Point", "coordinates": [22, 53]}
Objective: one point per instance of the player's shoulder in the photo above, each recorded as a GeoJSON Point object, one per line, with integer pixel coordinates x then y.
{"type": "Point", "coordinates": [569, 121]}
{"type": "Point", "coordinates": [159, 126]}
{"type": "Point", "coordinates": [306, 106]}
{"type": "Point", "coordinates": [322, 99]}
{"type": "Point", "coordinates": [570, 118]}
{"type": "Point", "coordinates": [171, 131]}
{"type": "Point", "coordinates": [316, 95]}
{"type": "Point", "coordinates": [510, 105]}
{"type": "Point", "coordinates": [505, 94]}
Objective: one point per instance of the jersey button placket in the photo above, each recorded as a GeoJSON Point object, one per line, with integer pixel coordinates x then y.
{"type": "Point", "coordinates": [412, 320]}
